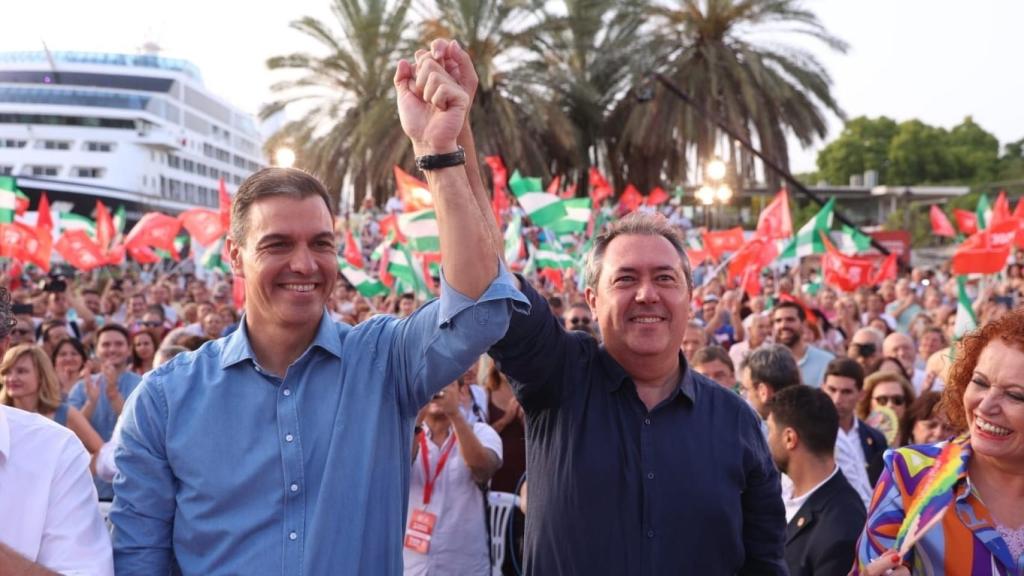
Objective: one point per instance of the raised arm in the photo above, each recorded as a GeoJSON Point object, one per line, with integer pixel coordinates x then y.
{"type": "Point", "coordinates": [432, 108]}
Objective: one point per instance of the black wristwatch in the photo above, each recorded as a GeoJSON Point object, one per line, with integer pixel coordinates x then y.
{"type": "Point", "coordinates": [438, 161]}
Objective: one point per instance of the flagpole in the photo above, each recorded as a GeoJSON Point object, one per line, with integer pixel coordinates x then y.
{"type": "Point", "coordinates": [709, 115]}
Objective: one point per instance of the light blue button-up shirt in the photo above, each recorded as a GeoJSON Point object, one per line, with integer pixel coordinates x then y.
{"type": "Point", "coordinates": [103, 417]}
{"type": "Point", "coordinates": [232, 470]}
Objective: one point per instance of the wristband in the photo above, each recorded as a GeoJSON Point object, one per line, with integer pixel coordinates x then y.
{"type": "Point", "coordinates": [429, 162]}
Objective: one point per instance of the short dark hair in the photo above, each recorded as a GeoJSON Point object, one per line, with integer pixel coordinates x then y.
{"type": "Point", "coordinates": [74, 343]}
{"type": "Point", "coordinates": [555, 301]}
{"type": "Point", "coordinates": [800, 312]}
{"type": "Point", "coordinates": [774, 366]}
{"type": "Point", "coordinates": [709, 354]}
{"type": "Point", "coordinates": [273, 181]}
{"type": "Point", "coordinates": [847, 368]}
{"type": "Point", "coordinates": [811, 413]}
{"type": "Point", "coordinates": [637, 224]}
{"type": "Point", "coordinates": [114, 327]}
{"type": "Point", "coordinates": [157, 309]}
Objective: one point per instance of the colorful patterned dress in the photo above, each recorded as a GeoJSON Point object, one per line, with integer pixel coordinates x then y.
{"type": "Point", "coordinates": [966, 542]}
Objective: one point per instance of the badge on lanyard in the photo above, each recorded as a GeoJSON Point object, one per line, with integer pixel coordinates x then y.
{"type": "Point", "coordinates": [421, 522]}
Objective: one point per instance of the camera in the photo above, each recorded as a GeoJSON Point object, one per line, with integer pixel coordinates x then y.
{"type": "Point", "coordinates": [865, 350]}
{"type": "Point", "coordinates": [55, 284]}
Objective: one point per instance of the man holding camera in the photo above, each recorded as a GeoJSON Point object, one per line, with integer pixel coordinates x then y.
{"type": "Point", "coordinates": [59, 301]}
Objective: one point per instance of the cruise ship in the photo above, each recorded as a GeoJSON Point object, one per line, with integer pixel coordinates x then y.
{"type": "Point", "coordinates": [138, 130]}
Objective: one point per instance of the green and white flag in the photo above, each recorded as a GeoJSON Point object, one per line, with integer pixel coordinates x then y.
{"type": "Point", "coordinates": [549, 256]}
{"type": "Point", "coordinates": [385, 244]}
{"type": "Point", "coordinates": [808, 238]}
{"type": "Point", "coordinates": [420, 228]}
{"type": "Point", "coordinates": [543, 209]}
{"type": "Point", "coordinates": [212, 260]}
{"type": "Point", "coordinates": [363, 283]}
{"type": "Point", "coordinates": [983, 211]}
{"type": "Point", "coordinates": [853, 241]}
{"type": "Point", "coordinates": [513, 238]}
{"type": "Point", "coordinates": [576, 218]}
{"type": "Point", "coordinates": [8, 199]}
{"type": "Point", "coordinates": [72, 221]}
{"type": "Point", "coordinates": [408, 271]}
{"type": "Point", "coordinates": [119, 220]}
{"type": "Point", "coordinates": [965, 318]}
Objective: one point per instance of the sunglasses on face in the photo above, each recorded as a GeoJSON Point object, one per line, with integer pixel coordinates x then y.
{"type": "Point", "coordinates": [885, 400]}
{"type": "Point", "coordinates": [577, 321]}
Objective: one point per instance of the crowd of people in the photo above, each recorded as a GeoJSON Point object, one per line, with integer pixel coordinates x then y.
{"type": "Point", "coordinates": [649, 417]}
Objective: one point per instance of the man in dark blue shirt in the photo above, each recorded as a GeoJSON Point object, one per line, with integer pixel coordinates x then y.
{"type": "Point", "coordinates": [637, 464]}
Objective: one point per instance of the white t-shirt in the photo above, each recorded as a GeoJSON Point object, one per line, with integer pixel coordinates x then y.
{"type": "Point", "coordinates": [459, 543]}
{"type": "Point", "coordinates": [49, 512]}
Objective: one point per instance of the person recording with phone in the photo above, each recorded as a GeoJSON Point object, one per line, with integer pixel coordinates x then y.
{"type": "Point", "coordinates": [866, 347]}
{"type": "Point", "coordinates": [60, 302]}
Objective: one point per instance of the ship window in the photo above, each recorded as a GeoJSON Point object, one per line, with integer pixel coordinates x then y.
{"type": "Point", "coordinates": [43, 170]}
{"type": "Point", "coordinates": [99, 146]}
{"type": "Point", "coordinates": [11, 143]}
{"type": "Point", "coordinates": [87, 172]}
{"type": "Point", "coordinates": [55, 144]}
{"type": "Point", "coordinates": [6, 170]}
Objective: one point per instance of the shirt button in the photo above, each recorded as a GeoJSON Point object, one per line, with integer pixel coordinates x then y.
{"type": "Point", "coordinates": [287, 392]}
{"type": "Point", "coordinates": [650, 475]}
{"type": "Point", "coordinates": [295, 487]}
{"type": "Point", "coordinates": [650, 533]}
{"type": "Point", "coordinates": [647, 421]}
{"type": "Point", "coordinates": [292, 536]}
{"type": "Point", "coordinates": [288, 437]}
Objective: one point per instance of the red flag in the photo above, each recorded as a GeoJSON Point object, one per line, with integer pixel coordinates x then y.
{"type": "Point", "coordinates": [966, 221]}
{"type": "Point", "coordinates": [846, 273]}
{"type": "Point", "coordinates": [697, 257]}
{"type": "Point", "coordinates": [751, 281]}
{"type": "Point", "coordinates": [757, 253]}
{"type": "Point", "coordinates": [569, 193]}
{"type": "Point", "coordinates": [414, 193]}
{"type": "Point", "coordinates": [20, 204]}
{"type": "Point", "coordinates": [888, 269]}
{"type": "Point", "coordinates": [104, 226]}
{"type": "Point", "coordinates": [24, 244]}
{"type": "Point", "coordinates": [353, 255]}
{"type": "Point", "coordinates": [238, 291]}
{"type": "Point", "coordinates": [44, 222]}
{"type": "Point", "coordinates": [1018, 211]}
{"type": "Point", "coordinates": [80, 250]}
{"type": "Point", "coordinates": [718, 242]}
{"type": "Point", "coordinates": [554, 276]}
{"type": "Point", "coordinates": [142, 254]}
{"type": "Point", "coordinates": [599, 187]}
{"type": "Point", "coordinates": [14, 273]}
{"type": "Point", "coordinates": [115, 256]}
{"type": "Point", "coordinates": [382, 269]}
{"type": "Point", "coordinates": [987, 251]}
{"type": "Point", "coordinates": [426, 259]}
{"type": "Point", "coordinates": [154, 230]}
{"type": "Point", "coordinates": [206, 226]}
{"type": "Point", "coordinates": [774, 222]}
{"type": "Point", "coordinates": [499, 182]}
{"type": "Point", "coordinates": [225, 205]}
{"type": "Point", "coordinates": [389, 223]}
{"type": "Point", "coordinates": [940, 223]}
{"type": "Point", "coordinates": [656, 196]}
{"type": "Point", "coordinates": [631, 198]}
{"type": "Point", "coordinates": [1001, 209]}
{"type": "Point", "coordinates": [555, 185]}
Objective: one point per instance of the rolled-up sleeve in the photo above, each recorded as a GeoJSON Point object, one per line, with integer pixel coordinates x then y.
{"type": "Point", "coordinates": [764, 516]}
{"type": "Point", "coordinates": [442, 339]}
{"type": "Point", "coordinates": [144, 488]}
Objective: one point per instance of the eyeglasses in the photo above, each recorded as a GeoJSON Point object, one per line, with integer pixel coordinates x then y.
{"type": "Point", "coordinates": [884, 400]}
{"type": "Point", "coordinates": [582, 320]}
{"type": "Point", "coordinates": [152, 324]}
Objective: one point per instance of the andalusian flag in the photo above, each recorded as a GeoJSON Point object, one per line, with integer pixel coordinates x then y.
{"type": "Point", "coordinates": [420, 229]}
{"type": "Point", "coordinates": [549, 256]}
{"type": "Point", "coordinates": [808, 238]}
{"type": "Point", "coordinates": [72, 221]}
{"type": "Point", "coordinates": [362, 281]}
{"type": "Point", "coordinates": [543, 209]}
{"type": "Point", "coordinates": [983, 211]}
{"type": "Point", "coordinates": [407, 271]}
{"type": "Point", "coordinates": [213, 257]}
{"type": "Point", "coordinates": [576, 218]}
{"type": "Point", "coordinates": [8, 199]}
{"type": "Point", "coordinates": [853, 241]}
{"type": "Point", "coordinates": [514, 239]}
{"type": "Point", "coordinates": [965, 318]}
{"type": "Point", "coordinates": [119, 221]}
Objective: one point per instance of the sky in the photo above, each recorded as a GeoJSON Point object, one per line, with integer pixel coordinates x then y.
{"type": "Point", "coordinates": [938, 60]}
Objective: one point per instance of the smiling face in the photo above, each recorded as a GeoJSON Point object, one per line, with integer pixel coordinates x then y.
{"type": "Point", "coordinates": [21, 380]}
{"type": "Point", "coordinates": [288, 261]}
{"type": "Point", "coordinates": [889, 394]}
{"type": "Point", "coordinates": [787, 326]}
{"type": "Point", "coordinates": [68, 359]}
{"type": "Point", "coordinates": [994, 404]}
{"type": "Point", "coordinates": [641, 300]}
{"type": "Point", "coordinates": [112, 347]}
{"type": "Point", "coordinates": [143, 345]}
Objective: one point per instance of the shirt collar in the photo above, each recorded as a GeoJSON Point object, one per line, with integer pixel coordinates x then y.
{"type": "Point", "coordinates": [5, 434]}
{"type": "Point", "coordinates": [237, 347]}
{"type": "Point", "coordinates": [617, 374]}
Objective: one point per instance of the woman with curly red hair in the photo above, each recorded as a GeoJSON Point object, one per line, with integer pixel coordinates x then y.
{"type": "Point", "coordinates": [982, 530]}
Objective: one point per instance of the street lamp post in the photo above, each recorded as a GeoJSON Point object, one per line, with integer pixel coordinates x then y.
{"type": "Point", "coordinates": [715, 190]}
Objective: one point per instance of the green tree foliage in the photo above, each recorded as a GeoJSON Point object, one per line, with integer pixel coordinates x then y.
{"type": "Point", "coordinates": [918, 154]}
{"type": "Point", "coordinates": [862, 145]}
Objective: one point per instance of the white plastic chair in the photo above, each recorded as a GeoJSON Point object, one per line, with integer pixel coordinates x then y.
{"type": "Point", "coordinates": [501, 505]}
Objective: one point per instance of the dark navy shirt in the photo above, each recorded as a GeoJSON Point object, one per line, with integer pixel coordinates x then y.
{"type": "Point", "coordinates": [686, 488]}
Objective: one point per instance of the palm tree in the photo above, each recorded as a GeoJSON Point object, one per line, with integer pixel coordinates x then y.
{"type": "Point", "coordinates": [510, 117]}
{"type": "Point", "coordinates": [349, 133]}
{"type": "Point", "coordinates": [715, 50]}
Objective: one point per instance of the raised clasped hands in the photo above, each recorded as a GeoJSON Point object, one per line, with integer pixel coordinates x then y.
{"type": "Point", "coordinates": [432, 104]}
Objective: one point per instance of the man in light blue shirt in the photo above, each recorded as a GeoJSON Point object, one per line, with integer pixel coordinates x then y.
{"type": "Point", "coordinates": [788, 329]}
{"type": "Point", "coordinates": [285, 447]}
{"type": "Point", "coordinates": [101, 397]}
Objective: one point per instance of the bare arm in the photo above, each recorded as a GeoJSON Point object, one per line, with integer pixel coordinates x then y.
{"type": "Point", "coordinates": [15, 564]}
{"type": "Point", "coordinates": [481, 461]}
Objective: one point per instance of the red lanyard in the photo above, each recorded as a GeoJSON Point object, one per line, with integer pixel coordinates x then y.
{"type": "Point", "coordinates": [428, 482]}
